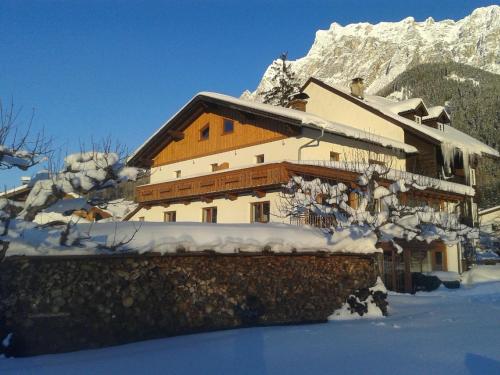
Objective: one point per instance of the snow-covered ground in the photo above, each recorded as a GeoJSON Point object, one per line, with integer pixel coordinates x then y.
{"type": "Point", "coordinates": [443, 332]}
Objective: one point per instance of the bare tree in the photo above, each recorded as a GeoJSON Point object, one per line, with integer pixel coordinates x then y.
{"type": "Point", "coordinates": [20, 146]}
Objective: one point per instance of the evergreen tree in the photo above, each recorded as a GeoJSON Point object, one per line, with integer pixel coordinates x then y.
{"type": "Point", "coordinates": [284, 82]}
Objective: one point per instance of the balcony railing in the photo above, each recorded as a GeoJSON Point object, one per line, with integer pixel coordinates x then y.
{"type": "Point", "coordinates": [208, 185]}
{"type": "Point", "coordinates": [274, 175]}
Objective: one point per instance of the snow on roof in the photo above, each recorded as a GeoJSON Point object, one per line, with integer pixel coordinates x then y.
{"type": "Point", "coordinates": [488, 210]}
{"type": "Point", "coordinates": [435, 112]}
{"type": "Point", "coordinates": [119, 208]}
{"type": "Point", "coordinates": [14, 190]}
{"type": "Point", "coordinates": [305, 119]}
{"type": "Point", "coordinates": [405, 105]}
{"type": "Point", "coordinates": [67, 206]}
{"type": "Point", "coordinates": [450, 135]}
{"type": "Point", "coordinates": [314, 121]}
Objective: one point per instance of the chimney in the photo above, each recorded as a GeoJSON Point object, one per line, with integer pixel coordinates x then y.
{"type": "Point", "coordinates": [358, 88]}
{"type": "Point", "coordinates": [298, 101]}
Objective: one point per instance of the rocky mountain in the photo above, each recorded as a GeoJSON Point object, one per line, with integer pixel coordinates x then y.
{"type": "Point", "coordinates": [471, 96]}
{"type": "Point", "coordinates": [379, 53]}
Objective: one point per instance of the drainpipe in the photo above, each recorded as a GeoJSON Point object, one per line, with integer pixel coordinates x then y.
{"type": "Point", "coordinates": [309, 144]}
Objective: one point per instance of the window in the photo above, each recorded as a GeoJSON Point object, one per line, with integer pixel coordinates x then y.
{"type": "Point", "coordinates": [141, 218]}
{"type": "Point", "coordinates": [259, 159]}
{"type": "Point", "coordinates": [418, 119]}
{"type": "Point", "coordinates": [170, 217]}
{"type": "Point", "coordinates": [260, 212]}
{"type": "Point", "coordinates": [214, 167]}
{"type": "Point", "coordinates": [334, 156]}
{"type": "Point", "coordinates": [210, 215]}
{"type": "Point", "coordinates": [228, 126]}
{"type": "Point", "coordinates": [205, 132]}
{"type": "Point", "coordinates": [177, 174]}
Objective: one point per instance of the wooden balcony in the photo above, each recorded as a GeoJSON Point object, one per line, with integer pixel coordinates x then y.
{"type": "Point", "coordinates": [256, 179]}
{"type": "Point", "coordinates": [247, 179]}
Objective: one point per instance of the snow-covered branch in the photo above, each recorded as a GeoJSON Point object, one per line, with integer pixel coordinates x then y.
{"type": "Point", "coordinates": [82, 173]}
{"type": "Point", "coordinates": [373, 202]}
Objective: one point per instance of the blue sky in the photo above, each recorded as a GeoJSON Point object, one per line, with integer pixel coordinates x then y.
{"type": "Point", "coordinates": [97, 68]}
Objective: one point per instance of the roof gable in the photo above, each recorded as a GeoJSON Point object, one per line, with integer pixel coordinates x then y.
{"type": "Point", "coordinates": [207, 101]}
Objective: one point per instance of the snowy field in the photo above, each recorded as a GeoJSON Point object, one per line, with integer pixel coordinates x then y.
{"type": "Point", "coordinates": [443, 332]}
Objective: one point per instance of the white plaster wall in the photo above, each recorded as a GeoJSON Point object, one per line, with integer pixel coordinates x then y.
{"type": "Point", "coordinates": [452, 258]}
{"type": "Point", "coordinates": [237, 211]}
{"type": "Point", "coordinates": [333, 107]}
{"type": "Point", "coordinates": [286, 149]}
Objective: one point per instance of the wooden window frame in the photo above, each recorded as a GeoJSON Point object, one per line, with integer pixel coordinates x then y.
{"type": "Point", "coordinates": [169, 213]}
{"type": "Point", "coordinates": [224, 132]}
{"type": "Point", "coordinates": [204, 128]}
{"type": "Point", "coordinates": [209, 209]}
{"type": "Point", "coordinates": [178, 174]}
{"type": "Point", "coordinates": [257, 158]}
{"type": "Point", "coordinates": [252, 212]}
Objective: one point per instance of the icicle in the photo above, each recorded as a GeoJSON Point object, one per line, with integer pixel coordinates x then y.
{"type": "Point", "coordinates": [465, 157]}
{"type": "Point", "coordinates": [448, 151]}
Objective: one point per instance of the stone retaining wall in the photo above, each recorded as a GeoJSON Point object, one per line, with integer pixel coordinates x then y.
{"type": "Point", "coordinates": [57, 304]}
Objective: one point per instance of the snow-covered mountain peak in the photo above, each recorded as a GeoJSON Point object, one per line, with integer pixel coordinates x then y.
{"type": "Point", "coordinates": [380, 52]}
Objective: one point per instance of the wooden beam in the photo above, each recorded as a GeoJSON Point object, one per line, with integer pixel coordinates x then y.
{"type": "Point", "coordinates": [231, 197]}
{"type": "Point", "coordinates": [206, 199]}
{"type": "Point", "coordinates": [186, 202]}
{"type": "Point", "coordinates": [165, 205]}
{"type": "Point", "coordinates": [259, 193]}
{"type": "Point", "coordinates": [147, 207]}
{"type": "Point", "coordinates": [176, 135]}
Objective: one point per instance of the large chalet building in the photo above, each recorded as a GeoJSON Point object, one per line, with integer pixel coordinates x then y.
{"type": "Point", "coordinates": [220, 159]}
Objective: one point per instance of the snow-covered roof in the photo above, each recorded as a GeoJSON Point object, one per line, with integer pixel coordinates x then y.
{"type": "Point", "coordinates": [406, 105]}
{"type": "Point", "coordinates": [450, 135]}
{"type": "Point", "coordinates": [314, 121]}
{"type": "Point", "coordinates": [488, 210]}
{"type": "Point", "coordinates": [120, 208]}
{"type": "Point", "coordinates": [17, 189]}
{"type": "Point", "coordinates": [435, 112]}
{"type": "Point", "coordinates": [67, 206]}
{"type": "Point", "coordinates": [299, 118]}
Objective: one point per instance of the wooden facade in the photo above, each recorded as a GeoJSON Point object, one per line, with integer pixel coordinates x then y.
{"type": "Point", "coordinates": [189, 143]}
{"type": "Point", "coordinates": [425, 162]}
